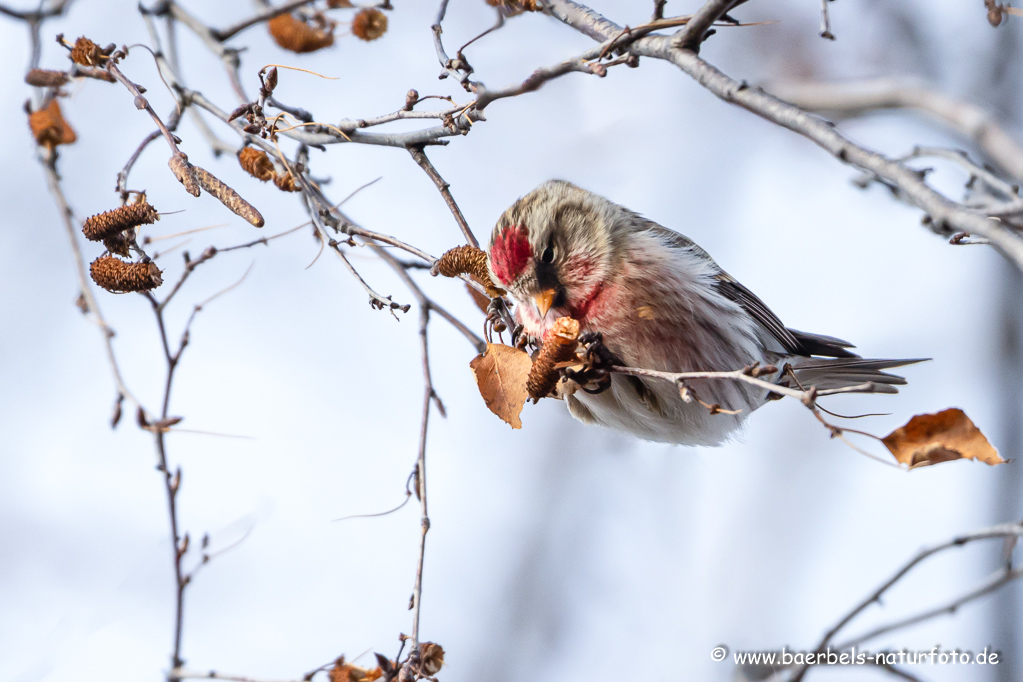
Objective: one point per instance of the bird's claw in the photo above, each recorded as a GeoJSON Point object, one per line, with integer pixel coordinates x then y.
{"type": "Point", "coordinates": [595, 376]}
{"type": "Point", "coordinates": [497, 313]}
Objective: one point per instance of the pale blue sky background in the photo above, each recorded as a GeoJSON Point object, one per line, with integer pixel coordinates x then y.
{"type": "Point", "coordinates": [558, 552]}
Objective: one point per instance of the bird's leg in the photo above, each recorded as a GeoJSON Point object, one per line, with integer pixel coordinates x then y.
{"type": "Point", "coordinates": [497, 314]}
{"type": "Point", "coordinates": [518, 338]}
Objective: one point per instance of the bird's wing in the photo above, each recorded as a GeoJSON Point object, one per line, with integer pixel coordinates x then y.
{"type": "Point", "coordinates": [758, 310]}
{"type": "Point", "coordinates": [793, 341]}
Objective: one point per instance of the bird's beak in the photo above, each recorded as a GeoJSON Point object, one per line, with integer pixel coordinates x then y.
{"type": "Point", "coordinates": [544, 300]}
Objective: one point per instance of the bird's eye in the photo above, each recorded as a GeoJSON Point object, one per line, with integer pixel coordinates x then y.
{"type": "Point", "coordinates": [548, 255]}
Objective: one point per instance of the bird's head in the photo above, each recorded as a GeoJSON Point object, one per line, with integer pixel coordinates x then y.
{"type": "Point", "coordinates": [555, 248]}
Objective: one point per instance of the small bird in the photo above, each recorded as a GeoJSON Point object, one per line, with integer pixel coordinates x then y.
{"type": "Point", "coordinates": [658, 301]}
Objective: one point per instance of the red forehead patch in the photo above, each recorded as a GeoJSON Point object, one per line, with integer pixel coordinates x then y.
{"type": "Point", "coordinates": [510, 253]}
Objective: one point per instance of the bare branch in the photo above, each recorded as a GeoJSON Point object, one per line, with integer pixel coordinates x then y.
{"type": "Point", "coordinates": [946, 216]}
{"type": "Point", "coordinates": [1005, 530]}
{"type": "Point", "coordinates": [856, 98]}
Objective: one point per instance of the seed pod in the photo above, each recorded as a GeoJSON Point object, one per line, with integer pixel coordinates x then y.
{"type": "Point", "coordinates": [46, 78]}
{"type": "Point", "coordinates": [369, 24]}
{"type": "Point", "coordinates": [432, 658]}
{"type": "Point", "coordinates": [102, 225]}
{"type": "Point", "coordinates": [467, 260]}
{"type": "Point", "coordinates": [117, 276]}
{"type": "Point", "coordinates": [87, 53]}
{"type": "Point", "coordinates": [286, 183]}
{"type": "Point", "coordinates": [256, 163]}
{"type": "Point", "coordinates": [293, 34]}
{"type": "Point", "coordinates": [184, 172]}
{"type": "Point", "coordinates": [49, 127]}
{"type": "Point", "coordinates": [227, 196]}
{"type": "Point", "coordinates": [558, 346]}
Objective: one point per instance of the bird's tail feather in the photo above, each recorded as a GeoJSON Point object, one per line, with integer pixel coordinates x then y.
{"type": "Point", "coordinates": [831, 373]}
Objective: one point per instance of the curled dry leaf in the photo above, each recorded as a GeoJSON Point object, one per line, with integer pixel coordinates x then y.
{"type": "Point", "coordinates": [942, 437]}
{"type": "Point", "coordinates": [501, 374]}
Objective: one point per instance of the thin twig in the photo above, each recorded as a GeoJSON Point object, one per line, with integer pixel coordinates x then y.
{"type": "Point", "coordinates": [445, 191]}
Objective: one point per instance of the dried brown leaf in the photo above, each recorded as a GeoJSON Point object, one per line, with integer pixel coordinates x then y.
{"type": "Point", "coordinates": [941, 437]}
{"type": "Point", "coordinates": [346, 672]}
{"type": "Point", "coordinates": [501, 375]}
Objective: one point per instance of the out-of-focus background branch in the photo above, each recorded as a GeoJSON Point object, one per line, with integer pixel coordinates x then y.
{"type": "Point", "coordinates": [553, 545]}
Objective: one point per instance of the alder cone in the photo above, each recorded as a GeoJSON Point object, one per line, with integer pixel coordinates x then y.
{"type": "Point", "coordinates": [256, 163]}
{"type": "Point", "coordinates": [295, 35]}
{"type": "Point", "coordinates": [109, 223]}
{"type": "Point", "coordinates": [467, 260]}
{"type": "Point", "coordinates": [286, 183]}
{"type": "Point", "coordinates": [46, 78]}
{"type": "Point", "coordinates": [87, 53]}
{"type": "Point", "coordinates": [49, 127]}
{"type": "Point", "coordinates": [369, 24]}
{"type": "Point", "coordinates": [558, 346]}
{"type": "Point", "coordinates": [117, 276]}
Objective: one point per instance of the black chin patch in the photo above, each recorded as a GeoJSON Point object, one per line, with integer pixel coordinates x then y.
{"type": "Point", "coordinates": [547, 278]}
